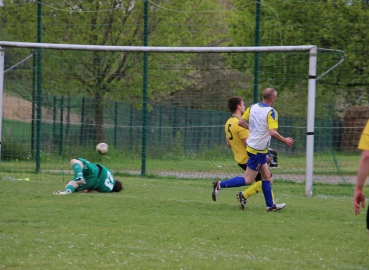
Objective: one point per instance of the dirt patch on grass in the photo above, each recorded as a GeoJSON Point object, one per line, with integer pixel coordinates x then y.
{"type": "Point", "coordinates": [18, 109]}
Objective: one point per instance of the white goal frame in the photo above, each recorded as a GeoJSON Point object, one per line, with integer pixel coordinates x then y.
{"type": "Point", "coordinates": [312, 49]}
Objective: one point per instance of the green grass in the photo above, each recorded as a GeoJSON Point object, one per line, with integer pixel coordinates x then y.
{"type": "Point", "coordinates": [173, 224]}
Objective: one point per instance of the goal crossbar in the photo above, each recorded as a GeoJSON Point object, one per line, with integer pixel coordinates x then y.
{"type": "Point", "coordinates": [312, 49]}
{"type": "Point", "coordinates": [155, 49]}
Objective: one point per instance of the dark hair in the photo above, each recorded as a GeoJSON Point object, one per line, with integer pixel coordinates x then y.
{"type": "Point", "coordinates": [118, 186]}
{"type": "Point", "coordinates": [233, 102]}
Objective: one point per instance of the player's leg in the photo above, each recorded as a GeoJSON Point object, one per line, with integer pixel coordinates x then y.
{"type": "Point", "coordinates": [77, 167]}
{"type": "Point", "coordinates": [267, 190]}
{"type": "Point", "coordinates": [249, 175]}
{"type": "Point", "coordinates": [257, 187]}
{"type": "Point", "coordinates": [254, 188]}
{"type": "Point", "coordinates": [271, 183]}
{"type": "Point", "coordinates": [266, 186]}
{"type": "Point", "coordinates": [70, 187]}
{"type": "Point", "coordinates": [237, 181]}
{"type": "Point", "coordinates": [77, 179]}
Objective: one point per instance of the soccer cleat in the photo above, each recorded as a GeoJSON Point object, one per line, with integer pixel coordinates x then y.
{"type": "Point", "coordinates": [80, 181]}
{"type": "Point", "coordinates": [62, 192]}
{"type": "Point", "coordinates": [276, 207]}
{"type": "Point", "coordinates": [241, 201]}
{"type": "Point", "coordinates": [216, 190]}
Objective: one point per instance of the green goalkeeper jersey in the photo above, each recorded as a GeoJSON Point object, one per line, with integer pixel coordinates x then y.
{"type": "Point", "coordinates": [97, 177]}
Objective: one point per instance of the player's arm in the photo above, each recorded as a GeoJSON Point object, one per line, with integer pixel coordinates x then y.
{"type": "Point", "coordinates": [273, 126]}
{"type": "Point", "coordinates": [242, 121]}
{"type": "Point", "coordinates": [243, 134]}
{"type": "Point", "coordinates": [363, 171]}
{"type": "Point", "coordinates": [286, 140]}
{"type": "Point", "coordinates": [359, 198]}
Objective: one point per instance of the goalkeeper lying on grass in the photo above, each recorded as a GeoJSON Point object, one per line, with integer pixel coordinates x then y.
{"type": "Point", "coordinates": [90, 177]}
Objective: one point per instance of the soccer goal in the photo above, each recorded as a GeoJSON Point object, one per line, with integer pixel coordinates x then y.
{"type": "Point", "coordinates": [161, 109]}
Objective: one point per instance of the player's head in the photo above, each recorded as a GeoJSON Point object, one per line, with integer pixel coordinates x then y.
{"type": "Point", "coordinates": [118, 186]}
{"type": "Point", "coordinates": [270, 95]}
{"type": "Point", "coordinates": [234, 103]}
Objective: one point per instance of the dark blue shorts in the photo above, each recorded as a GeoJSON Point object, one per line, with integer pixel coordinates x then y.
{"type": "Point", "coordinates": [256, 161]}
{"type": "Point", "coordinates": [258, 176]}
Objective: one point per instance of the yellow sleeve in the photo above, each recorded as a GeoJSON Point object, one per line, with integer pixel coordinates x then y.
{"type": "Point", "coordinates": [246, 114]}
{"type": "Point", "coordinates": [273, 119]}
{"type": "Point", "coordinates": [364, 139]}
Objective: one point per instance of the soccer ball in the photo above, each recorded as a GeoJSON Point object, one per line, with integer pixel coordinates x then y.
{"type": "Point", "coordinates": [102, 148]}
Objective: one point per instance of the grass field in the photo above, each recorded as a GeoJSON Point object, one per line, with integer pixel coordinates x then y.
{"type": "Point", "coordinates": [173, 224]}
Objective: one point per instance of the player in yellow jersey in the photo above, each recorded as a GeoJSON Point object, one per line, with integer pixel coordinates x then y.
{"type": "Point", "coordinates": [236, 137]}
{"type": "Point", "coordinates": [262, 121]}
{"type": "Point", "coordinates": [362, 174]}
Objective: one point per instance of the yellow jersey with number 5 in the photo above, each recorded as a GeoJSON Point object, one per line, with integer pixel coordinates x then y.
{"type": "Point", "coordinates": [235, 134]}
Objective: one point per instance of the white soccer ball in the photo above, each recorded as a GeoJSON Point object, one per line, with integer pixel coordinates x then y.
{"type": "Point", "coordinates": [102, 148]}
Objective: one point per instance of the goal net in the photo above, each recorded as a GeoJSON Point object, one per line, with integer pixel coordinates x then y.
{"type": "Point", "coordinates": [162, 111]}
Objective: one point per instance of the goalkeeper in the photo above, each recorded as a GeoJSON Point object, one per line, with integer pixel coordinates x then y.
{"type": "Point", "coordinates": [236, 137]}
{"type": "Point", "coordinates": [90, 177]}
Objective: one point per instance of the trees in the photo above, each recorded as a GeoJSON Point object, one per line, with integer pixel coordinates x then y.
{"type": "Point", "coordinates": [185, 23]}
{"type": "Point", "coordinates": [327, 24]}
{"type": "Point", "coordinates": [101, 75]}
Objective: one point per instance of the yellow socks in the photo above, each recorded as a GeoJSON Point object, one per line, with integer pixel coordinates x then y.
{"type": "Point", "coordinates": [255, 189]}
{"type": "Point", "coordinates": [252, 190]}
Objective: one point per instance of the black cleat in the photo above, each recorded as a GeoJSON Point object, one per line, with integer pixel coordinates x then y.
{"type": "Point", "coordinates": [216, 190]}
{"type": "Point", "coordinates": [241, 201]}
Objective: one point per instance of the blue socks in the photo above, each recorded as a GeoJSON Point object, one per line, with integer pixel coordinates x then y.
{"type": "Point", "coordinates": [237, 181]}
{"type": "Point", "coordinates": [267, 191]}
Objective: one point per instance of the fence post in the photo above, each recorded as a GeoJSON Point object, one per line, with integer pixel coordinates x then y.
{"type": "Point", "coordinates": [82, 129]}
{"type": "Point", "coordinates": [61, 126]}
{"type": "Point", "coordinates": [54, 119]}
{"type": "Point", "coordinates": [115, 124]}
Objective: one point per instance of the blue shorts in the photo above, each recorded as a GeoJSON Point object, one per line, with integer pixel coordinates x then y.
{"type": "Point", "coordinates": [256, 161]}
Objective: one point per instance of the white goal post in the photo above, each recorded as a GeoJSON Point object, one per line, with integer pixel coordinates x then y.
{"type": "Point", "coordinates": [312, 49]}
